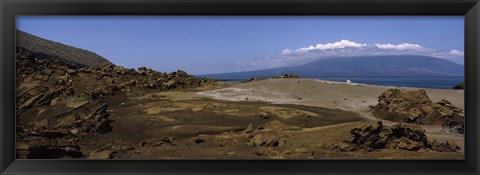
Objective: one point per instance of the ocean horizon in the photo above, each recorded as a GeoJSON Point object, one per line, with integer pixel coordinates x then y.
{"type": "Point", "coordinates": [434, 83]}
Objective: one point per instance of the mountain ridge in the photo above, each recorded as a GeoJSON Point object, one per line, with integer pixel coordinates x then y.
{"type": "Point", "coordinates": [382, 66]}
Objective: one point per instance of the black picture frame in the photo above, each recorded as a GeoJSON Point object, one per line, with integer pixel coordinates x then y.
{"type": "Point", "coordinates": [10, 8]}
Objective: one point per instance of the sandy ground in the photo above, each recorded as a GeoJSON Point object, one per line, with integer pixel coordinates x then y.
{"type": "Point", "coordinates": [313, 92]}
{"type": "Point", "coordinates": [329, 94]}
{"type": "Point", "coordinates": [268, 119]}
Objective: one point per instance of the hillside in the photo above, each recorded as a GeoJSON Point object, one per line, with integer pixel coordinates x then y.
{"type": "Point", "coordinates": [46, 49]}
{"type": "Point", "coordinates": [361, 67]}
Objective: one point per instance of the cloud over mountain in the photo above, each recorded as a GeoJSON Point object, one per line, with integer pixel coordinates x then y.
{"type": "Point", "coordinates": [345, 48]}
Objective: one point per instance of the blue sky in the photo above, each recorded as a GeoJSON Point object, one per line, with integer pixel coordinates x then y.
{"type": "Point", "coordinates": [213, 44]}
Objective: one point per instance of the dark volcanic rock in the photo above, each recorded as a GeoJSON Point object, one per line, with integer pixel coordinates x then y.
{"type": "Point", "coordinates": [268, 140]}
{"type": "Point", "coordinates": [290, 75]}
{"type": "Point", "coordinates": [409, 105]}
{"type": "Point", "coordinates": [255, 79]}
{"type": "Point", "coordinates": [460, 86]}
{"type": "Point", "coordinates": [64, 80]}
{"type": "Point", "coordinates": [399, 136]}
{"type": "Point", "coordinates": [73, 97]}
{"type": "Point", "coordinates": [56, 148]}
{"type": "Point", "coordinates": [370, 136]}
{"type": "Point", "coordinates": [447, 146]}
{"type": "Point", "coordinates": [414, 106]}
{"type": "Point", "coordinates": [99, 155]}
{"type": "Point", "coordinates": [283, 75]}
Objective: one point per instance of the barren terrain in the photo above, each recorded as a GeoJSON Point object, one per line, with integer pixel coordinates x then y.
{"type": "Point", "coordinates": [174, 116]}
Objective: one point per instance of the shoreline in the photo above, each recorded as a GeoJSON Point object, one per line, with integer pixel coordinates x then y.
{"type": "Point", "coordinates": [380, 82]}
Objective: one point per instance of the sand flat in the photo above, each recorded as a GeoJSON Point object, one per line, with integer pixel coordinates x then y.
{"type": "Point", "coordinates": [320, 93]}
{"type": "Point", "coordinates": [332, 95]}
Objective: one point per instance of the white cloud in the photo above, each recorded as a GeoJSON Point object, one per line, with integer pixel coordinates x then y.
{"type": "Point", "coordinates": [456, 52]}
{"type": "Point", "coordinates": [286, 52]}
{"type": "Point", "coordinates": [342, 48]}
{"type": "Point", "coordinates": [336, 45]}
{"type": "Point", "coordinates": [403, 46]}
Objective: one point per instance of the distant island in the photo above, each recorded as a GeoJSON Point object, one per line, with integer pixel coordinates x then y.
{"type": "Point", "coordinates": [382, 66]}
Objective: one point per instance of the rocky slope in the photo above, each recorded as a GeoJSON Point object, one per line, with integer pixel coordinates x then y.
{"type": "Point", "coordinates": [58, 102]}
{"type": "Point", "coordinates": [46, 49]}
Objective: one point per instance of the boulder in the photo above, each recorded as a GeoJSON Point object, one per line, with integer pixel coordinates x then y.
{"type": "Point", "coordinates": [268, 140]}
{"type": "Point", "coordinates": [408, 137]}
{"type": "Point", "coordinates": [399, 136]}
{"type": "Point", "coordinates": [460, 86]}
{"type": "Point", "coordinates": [164, 141]}
{"type": "Point", "coordinates": [88, 69]}
{"type": "Point", "coordinates": [41, 77]}
{"type": "Point", "coordinates": [120, 70]}
{"type": "Point", "coordinates": [51, 149]}
{"type": "Point", "coordinates": [288, 75]}
{"type": "Point", "coordinates": [447, 146]}
{"type": "Point", "coordinates": [30, 102]}
{"type": "Point", "coordinates": [414, 106]}
{"type": "Point", "coordinates": [91, 118]}
{"type": "Point", "coordinates": [106, 154]}
{"type": "Point", "coordinates": [142, 70]}
{"type": "Point", "coordinates": [62, 79]}
{"type": "Point", "coordinates": [254, 79]}
{"type": "Point", "coordinates": [343, 147]}
{"type": "Point", "coordinates": [199, 140]}
{"type": "Point", "coordinates": [71, 71]}
{"type": "Point", "coordinates": [371, 135]}
{"type": "Point", "coordinates": [249, 129]}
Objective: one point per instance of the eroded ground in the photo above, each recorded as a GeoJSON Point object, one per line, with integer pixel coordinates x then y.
{"type": "Point", "coordinates": [116, 113]}
{"type": "Point", "coordinates": [185, 125]}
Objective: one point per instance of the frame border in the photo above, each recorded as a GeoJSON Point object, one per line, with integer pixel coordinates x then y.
{"type": "Point", "coordinates": [470, 9]}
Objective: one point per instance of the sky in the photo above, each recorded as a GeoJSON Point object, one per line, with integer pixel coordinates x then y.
{"type": "Point", "coordinates": [215, 44]}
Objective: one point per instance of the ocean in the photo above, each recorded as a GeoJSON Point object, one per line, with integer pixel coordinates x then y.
{"type": "Point", "coordinates": [434, 83]}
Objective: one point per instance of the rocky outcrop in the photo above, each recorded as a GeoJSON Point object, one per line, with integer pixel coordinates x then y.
{"type": "Point", "coordinates": [267, 140]}
{"type": "Point", "coordinates": [283, 75]}
{"type": "Point", "coordinates": [267, 134]}
{"type": "Point", "coordinates": [399, 136]}
{"type": "Point", "coordinates": [38, 148]}
{"type": "Point", "coordinates": [42, 81]}
{"type": "Point", "coordinates": [460, 86]}
{"type": "Point", "coordinates": [453, 117]}
{"type": "Point", "coordinates": [57, 136]}
{"type": "Point", "coordinates": [255, 79]}
{"type": "Point", "coordinates": [414, 106]}
{"type": "Point", "coordinates": [99, 155]}
{"type": "Point", "coordinates": [58, 101]}
{"type": "Point", "coordinates": [288, 75]}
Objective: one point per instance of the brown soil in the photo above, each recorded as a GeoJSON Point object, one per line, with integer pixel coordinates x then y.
{"type": "Point", "coordinates": [178, 116]}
